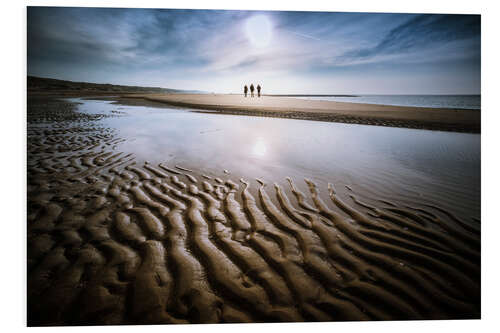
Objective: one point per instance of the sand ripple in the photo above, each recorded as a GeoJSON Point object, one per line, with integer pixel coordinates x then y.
{"type": "Point", "coordinates": [112, 240]}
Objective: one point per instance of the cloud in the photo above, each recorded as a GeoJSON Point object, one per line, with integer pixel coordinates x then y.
{"type": "Point", "coordinates": [165, 47]}
{"type": "Point", "coordinates": [119, 36]}
{"type": "Point", "coordinates": [421, 34]}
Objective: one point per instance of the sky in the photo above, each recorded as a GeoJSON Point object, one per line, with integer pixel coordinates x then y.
{"type": "Point", "coordinates": [286, 52]}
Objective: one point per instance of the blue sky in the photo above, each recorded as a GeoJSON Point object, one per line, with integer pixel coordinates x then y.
{"type": "Point", "coordinates": [287, 52]}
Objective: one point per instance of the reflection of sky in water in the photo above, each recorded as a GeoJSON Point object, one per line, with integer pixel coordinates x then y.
{"type": "Point", "coordinates": [425, 161]}
{"type": "Point", "coordinates": [259, 148]}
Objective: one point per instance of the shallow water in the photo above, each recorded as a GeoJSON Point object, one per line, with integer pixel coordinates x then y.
{"type": "Point", "coordinates": [428, 101]}
{"type": "Point", "coordinates": [194, 237]}
{"type": "Point", "coordinates": [416, 167]}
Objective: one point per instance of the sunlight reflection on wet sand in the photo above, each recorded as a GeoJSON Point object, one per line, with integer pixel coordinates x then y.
{"type": "Point", "coordinates": [400, 162]}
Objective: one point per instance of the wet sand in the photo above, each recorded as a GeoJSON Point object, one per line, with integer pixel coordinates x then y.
{"type": "Point", "coordinates": [113, 239]}
{"type": "Point", "coordinates": [458, 120]}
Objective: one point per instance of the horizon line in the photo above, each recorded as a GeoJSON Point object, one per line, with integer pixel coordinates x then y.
{"type": "Point", "coordinates": [269, 94]}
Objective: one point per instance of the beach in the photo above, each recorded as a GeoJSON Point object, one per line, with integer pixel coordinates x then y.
{"type": "Point", "coordinates": [198, 166]}
{"type": "Point", "coordinates": [358, 113]}
{"type": "Point", "coordinates": [142, 213]}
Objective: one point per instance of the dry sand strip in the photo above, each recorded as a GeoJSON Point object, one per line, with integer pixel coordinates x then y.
{"type": "Point", "coordinates": [113, 240]}
{"type": "Point", "coordinates": [458, 120]}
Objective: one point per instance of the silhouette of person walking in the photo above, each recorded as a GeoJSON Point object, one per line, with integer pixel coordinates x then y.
{"type": "Point", "coordinates": [245, 90]}
{"type": "Point", "coordinates": [251, 89]}
{"type": "Point", "coordinates": [258, 90]}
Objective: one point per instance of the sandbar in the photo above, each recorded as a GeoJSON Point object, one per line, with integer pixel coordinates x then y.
{"type": "Point", "coordinates": [460, 120]}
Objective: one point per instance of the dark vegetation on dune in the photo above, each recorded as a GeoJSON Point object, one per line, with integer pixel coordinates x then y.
{"type": "Point", "coordinates": [39, 84]}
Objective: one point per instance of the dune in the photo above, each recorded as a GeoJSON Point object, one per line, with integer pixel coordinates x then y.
{"type": "Point", "coordinates": [285, 107]}
{"type": "Point", "coordinates": [116, 240]}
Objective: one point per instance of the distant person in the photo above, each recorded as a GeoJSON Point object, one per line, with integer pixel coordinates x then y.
{"type": "Point", "coordinates": [258, 90]}
{"type": "Point", "coordinates": [245, 90]}
{"type": "Point", "coordinates": [251, 89]}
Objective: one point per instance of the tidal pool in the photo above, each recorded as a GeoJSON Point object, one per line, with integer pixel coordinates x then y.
{"type": "Point", "coordinates": [416, 167]}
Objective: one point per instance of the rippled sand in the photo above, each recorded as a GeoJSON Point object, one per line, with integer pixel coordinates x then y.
{"type": "Point", "coordinates": [117, 240]}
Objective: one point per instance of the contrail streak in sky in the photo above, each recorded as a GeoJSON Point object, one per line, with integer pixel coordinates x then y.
{"type": "Point", "coordinates": [303, 35]}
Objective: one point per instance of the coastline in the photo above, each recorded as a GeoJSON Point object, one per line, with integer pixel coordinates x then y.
{"type": "Point", "coordinates": [437, 119]}
{"type": "Point", "coordinates": [455, 120]}
{"type": "Point", "coordinates": [116, 237]}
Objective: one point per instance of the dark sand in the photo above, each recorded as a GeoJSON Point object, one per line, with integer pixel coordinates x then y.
{"type": "Point", "coordinates": [115, 240]}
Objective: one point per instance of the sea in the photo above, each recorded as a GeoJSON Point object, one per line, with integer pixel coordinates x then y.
{"type": "Point", "coordinates": [429, 101]}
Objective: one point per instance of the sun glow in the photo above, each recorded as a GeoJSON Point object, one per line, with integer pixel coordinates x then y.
{"type": "Point", "coordinates": [259, 30]}
{"type": "Point", "coordinates": [259, 147]}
